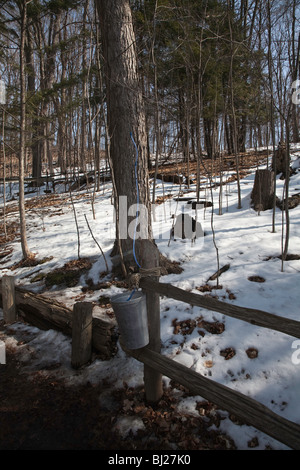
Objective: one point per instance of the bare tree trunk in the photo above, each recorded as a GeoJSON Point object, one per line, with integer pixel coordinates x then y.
{"type": "Point", "coordinates": [294, 73]}
{"type": "Point", "coordinates": [126, 116]}
{"type": "Point", "coordinates": [286, 193]}
{"type": "Point", "coordinates": [128, 145]}
{"type": "Point", "coordinates": [157, 112]}
{"type": "Point", "coordinates": [235, 134]}
{"type": "Point", "coordinates": [25, 249]}
{"type": "Point", "coordinates": [4, 171]}
{"type": "Point", "coordinates": [270, 77]}
{"type": "Point", "coordinates": [187, 130]}
{"type": "Point", "coordinates": [83, 133]}
{"type": "Point", "coordinates": [49, 150]}
{"type": "Point", "coordinates": [33, 122]}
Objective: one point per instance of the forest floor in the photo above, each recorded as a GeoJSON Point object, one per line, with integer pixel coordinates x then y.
{"type": "Point", "coordinates": [38, 412]}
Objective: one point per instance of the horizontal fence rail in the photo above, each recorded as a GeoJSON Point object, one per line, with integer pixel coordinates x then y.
{"type": "Point", "coordinates": [247, 409]}
{"type": "Point", "coordinates": [249, 315]}
{"type": "Point", "coordinates": [47, 313]}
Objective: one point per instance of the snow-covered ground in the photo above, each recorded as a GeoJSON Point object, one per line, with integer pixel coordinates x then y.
{"type": "Point", "coordinates": [242, 238]}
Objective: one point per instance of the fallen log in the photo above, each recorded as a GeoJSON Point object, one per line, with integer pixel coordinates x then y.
{"type": "Point", "coordinates": [45, 313]}
{"type": "Point", "coordinates": [219, 272]}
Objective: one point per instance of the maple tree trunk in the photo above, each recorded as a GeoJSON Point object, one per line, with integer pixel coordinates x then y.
{"type": "Point", "coordinates": [125, 111]}
{"type": "Point", "coordinates": [25, 249]}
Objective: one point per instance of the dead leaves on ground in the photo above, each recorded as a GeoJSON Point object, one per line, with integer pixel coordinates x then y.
{"type": "Point", "coordinates": [186, 327]}
{"type": "Point", "coordinates": [256, 279]}
{"type": "Point", "coordinates": [167, 427]}
{"type": "Point", "coordinates": [208, 288]}
{"type": "Point", "coordinates": [228, 353]}
{"type": "Point", "coordinates": [31, 261]}
{"type": "Point", "coordinates": [69, 274]}
{"type": "Point", "coordinates": [252, 353]}
{"type": "Point", "coordinates": [12, 232]}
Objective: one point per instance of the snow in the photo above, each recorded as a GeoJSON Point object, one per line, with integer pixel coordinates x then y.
{"type": "Point", "coordinates": [244, 240]}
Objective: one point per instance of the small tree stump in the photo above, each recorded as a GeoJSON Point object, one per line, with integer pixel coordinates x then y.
{"type": "Point", "coordinates": [81, 334]}
{"type": "Point", "coordinates": [9, 299]}
{"type": "Point", "coordinates": [262, 196]}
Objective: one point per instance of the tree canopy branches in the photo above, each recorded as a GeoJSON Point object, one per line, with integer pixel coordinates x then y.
{"type": "Point", "coordinates": [204, 66]}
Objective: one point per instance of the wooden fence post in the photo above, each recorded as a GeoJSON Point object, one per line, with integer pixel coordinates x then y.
{"type": "Point", "coordinates": [81, 334]}
{"type": "Point", "coordinates": [152, 378]}
{"type": "Point", "coordinates": [9, 299]}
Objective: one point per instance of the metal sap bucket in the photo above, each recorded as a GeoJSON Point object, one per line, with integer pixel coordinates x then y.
{"type": "Point", "coordinates": [131, 314]}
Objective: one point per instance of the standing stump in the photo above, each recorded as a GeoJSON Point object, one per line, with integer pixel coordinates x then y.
{"type": "Point", "coordinates": [262, 196]}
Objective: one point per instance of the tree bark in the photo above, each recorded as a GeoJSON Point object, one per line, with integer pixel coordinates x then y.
{"type": "Point", "coordinates": [34, 120]}
{"type": "Point", "coordinates": [128, 149]}
{"type": "Point", "coordinates": [25, 249]}
{"type": "Point", "coordinates": [262, 195]}
{"type": "Point", "coordinates": [125, 111]}
{"type": "Point", "coordinates": [294, 72]}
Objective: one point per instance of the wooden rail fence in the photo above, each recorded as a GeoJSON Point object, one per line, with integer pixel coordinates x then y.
{"type": "Point", "coordinates": [85, 323]}
{"type": "Point", "coordinates": [89, 331]}
{"type": "Point", "coordinates": [249, 315]}
{"type": "Point", "coordinates": [247, 409]}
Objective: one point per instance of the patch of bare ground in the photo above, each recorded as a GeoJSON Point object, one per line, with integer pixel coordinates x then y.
{"type": "Point", "coordinates": [12, 232]}
{"type": "Point", "coordinates": [166, 267]}
{"type": "Point", "coordinates": [38, 412]}
{"type": "Point", "coordinates": [256, 278]}
{"type": "Point", "coordinates": [170, 171]}
{"type": "Point", "coordinates": [69, 274]}
{"type": "Point", "coordinates": [186, 327]}
{"type": "Point", "coordinates": [292, 202]}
